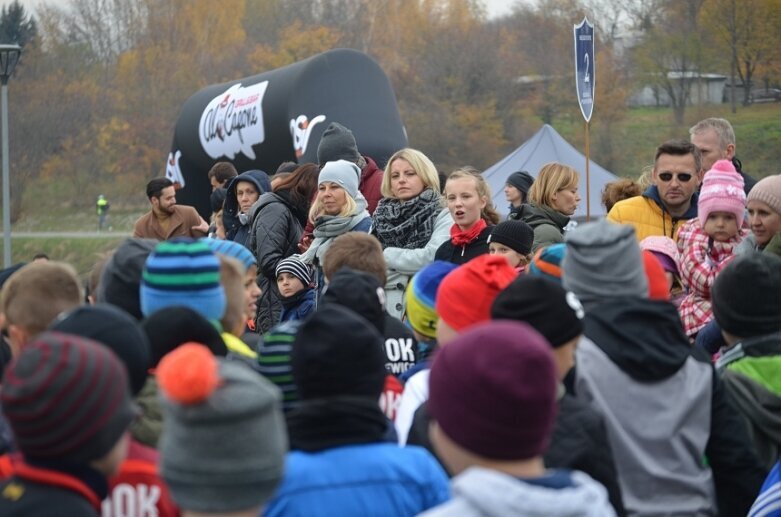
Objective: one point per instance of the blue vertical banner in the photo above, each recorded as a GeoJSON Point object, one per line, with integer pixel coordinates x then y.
{"type": "Point", "coordinates": [584, 66]}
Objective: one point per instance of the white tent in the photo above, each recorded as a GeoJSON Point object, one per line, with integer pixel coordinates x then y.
{"type": "Point", "coordinates": [544, 147]}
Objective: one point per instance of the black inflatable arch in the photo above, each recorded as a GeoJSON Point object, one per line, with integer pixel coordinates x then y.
{"type": "Point", "coordinates": [261, 121]}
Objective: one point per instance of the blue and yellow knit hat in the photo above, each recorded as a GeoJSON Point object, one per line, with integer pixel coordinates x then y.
{"type": "Point", "coordinates": [547, 262]}
{"type": "Point", "coordinates": [183, 272]}
{"type": "Point", "coordinates": [422, 293]}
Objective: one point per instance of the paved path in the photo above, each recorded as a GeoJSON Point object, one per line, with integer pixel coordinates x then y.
{"type": "Point", "coordinates": [69, 235]}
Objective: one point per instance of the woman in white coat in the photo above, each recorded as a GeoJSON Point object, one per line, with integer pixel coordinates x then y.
{"type": "Point", "coordinates": [410, 221]}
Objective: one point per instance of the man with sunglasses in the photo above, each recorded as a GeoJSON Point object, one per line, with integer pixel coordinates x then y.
{"type": "Point", "coordinates": [671, 200]}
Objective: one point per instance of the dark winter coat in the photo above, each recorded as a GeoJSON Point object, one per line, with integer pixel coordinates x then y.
{"type": "Point", "coordinates": [274, 236]}
{"type": "Point", "coordinates": [547, 223]}
{"type": "Point", "coordinates": [299, 309]}
{"type": "Point", "coordinates": [748, 181]}
{"type": "Point", "coordinates": [463, 254]}
{"type": "Point", "coordinates": [580, 442]}
{"type": "Point", "coordinates": [49, 493]}
{"type": "Point", "coordinates": [235, 230]}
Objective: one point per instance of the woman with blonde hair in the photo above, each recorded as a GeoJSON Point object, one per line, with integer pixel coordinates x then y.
{"type": "Point", "coordinates": [553, 199]}
{"type": "Point", "coordinates": [468, 199]}
{"type": "Point", "coordinates": [409, 221]}
{"type": "Point", "coordinates": [339, 208]}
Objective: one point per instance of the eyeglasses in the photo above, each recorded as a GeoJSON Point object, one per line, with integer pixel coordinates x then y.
{"type": "Point", "coordinates": [683, 177]}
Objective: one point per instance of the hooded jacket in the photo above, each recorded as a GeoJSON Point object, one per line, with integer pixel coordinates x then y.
{"type": "Point", "coordinates": [547, 223]}
{"type": "Point", "coordinates": [750, 371]}
{"type": "Point", "coordinates": [479, 492]}
{"type": "Point", "coordinates": [274, 236]}
{"type": "Point", "coordinates": [679, 447]}
{"type": "Point", "coordinates": [649, 216]}
{"type": "Point", "coordinates": [236, 227]}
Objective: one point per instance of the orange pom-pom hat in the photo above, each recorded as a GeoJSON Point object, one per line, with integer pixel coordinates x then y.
{"type": "Point", "coordinates": [188, 374]}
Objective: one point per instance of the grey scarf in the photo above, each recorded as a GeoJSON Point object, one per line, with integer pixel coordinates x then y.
{"type": "Point", "coordinates": [327, 227]}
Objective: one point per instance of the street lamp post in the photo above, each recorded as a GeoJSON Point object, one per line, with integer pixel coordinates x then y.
{"type": "Point", "coordinates": [9, 57]}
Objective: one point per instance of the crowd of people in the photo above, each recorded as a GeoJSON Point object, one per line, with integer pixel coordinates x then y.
{"type": "Point", "coordinates": [341, 339]}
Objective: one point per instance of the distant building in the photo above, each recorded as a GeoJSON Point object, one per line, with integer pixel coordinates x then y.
{"type": "Point", "coordinates": [703, 89]}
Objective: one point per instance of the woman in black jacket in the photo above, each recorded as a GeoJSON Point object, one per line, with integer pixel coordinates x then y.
{"type": "Point", "coordinates": [278, 219]}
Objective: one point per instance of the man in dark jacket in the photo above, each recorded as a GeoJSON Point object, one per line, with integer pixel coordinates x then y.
{"type": "Point", "coordinates": [680, 447]}
{"type": "Point", "coordinates": [235, 214]}
{"type": "Point", "coordinates": [747, 307]}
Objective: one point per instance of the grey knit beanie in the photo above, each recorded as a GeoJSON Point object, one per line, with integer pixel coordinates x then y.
{"type": "Point", "coordinates": [603, 261]}
{"type": "Point", "coordinates": [224, 441]}
{"type": "Point", "coordinates": [343, 173]}
{"type": "Point", "coordinates": [337, 143]}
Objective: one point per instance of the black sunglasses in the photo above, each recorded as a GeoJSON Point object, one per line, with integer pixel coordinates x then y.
{"type": "Point", "coordinates": [683, 177]}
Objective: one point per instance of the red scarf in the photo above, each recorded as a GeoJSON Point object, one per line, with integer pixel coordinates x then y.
{"type": "Point", "coordinates": [461, 237]}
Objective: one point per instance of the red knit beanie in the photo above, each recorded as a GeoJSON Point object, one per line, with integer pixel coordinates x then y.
{"type": "Point", "coordinates": [657, 279]}
{"type": "Point", "coordinates": [465, 296]}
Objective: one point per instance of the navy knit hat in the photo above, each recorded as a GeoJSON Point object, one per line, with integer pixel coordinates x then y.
{"type": "Point", "coordinates": [516, 235]}
{"type": "Point", "coordinates": [183, 272]}
{"type": "Point", "coordinates": [493, 391]}
{"type": "Point", "coordinates": [521, 180]}
{"type": "Point", "coordinates": [66, 399]}
{"type": "Point", "coordinates": [234, 250]}
{"type": "Point", "coordinates": [337, 352]}
{"type": "Point", "coordinates": [543, 304]}
{"type": "Point", "coordinates": [745, 295]}
{"type": "Point", "coordinates": [296, 267]}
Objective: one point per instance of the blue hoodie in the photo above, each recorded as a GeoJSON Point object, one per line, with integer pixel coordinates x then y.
{"type": "Point", "coordinates": [235, 229]}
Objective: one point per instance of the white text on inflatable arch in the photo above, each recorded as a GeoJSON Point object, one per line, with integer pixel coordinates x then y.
{"type": "Point", "coordinates": [233, 122]}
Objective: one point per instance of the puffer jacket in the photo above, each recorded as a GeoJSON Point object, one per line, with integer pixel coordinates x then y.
{"type": "Point", "coordinates": [235, 229]}
{"type": "Point", "coordinates": [376, 479]}
{"type": "Point", "coordinates": [274, 236]}
{"type": "Point", "coordinates": [547, 223]}
{"type": "Point", "coordinates": [699, 261]}
{"type": "Point", "coordinates": [648, 215]}
{"type": "Point", "coordinates": [402, 263]}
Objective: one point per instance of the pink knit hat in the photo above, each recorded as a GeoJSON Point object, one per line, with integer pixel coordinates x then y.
{"type": "Point", "coordinates": [722, 191]}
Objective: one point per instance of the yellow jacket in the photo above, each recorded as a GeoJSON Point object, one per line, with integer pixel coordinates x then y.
{"type": "Point", "coordinates": [647, 215]}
